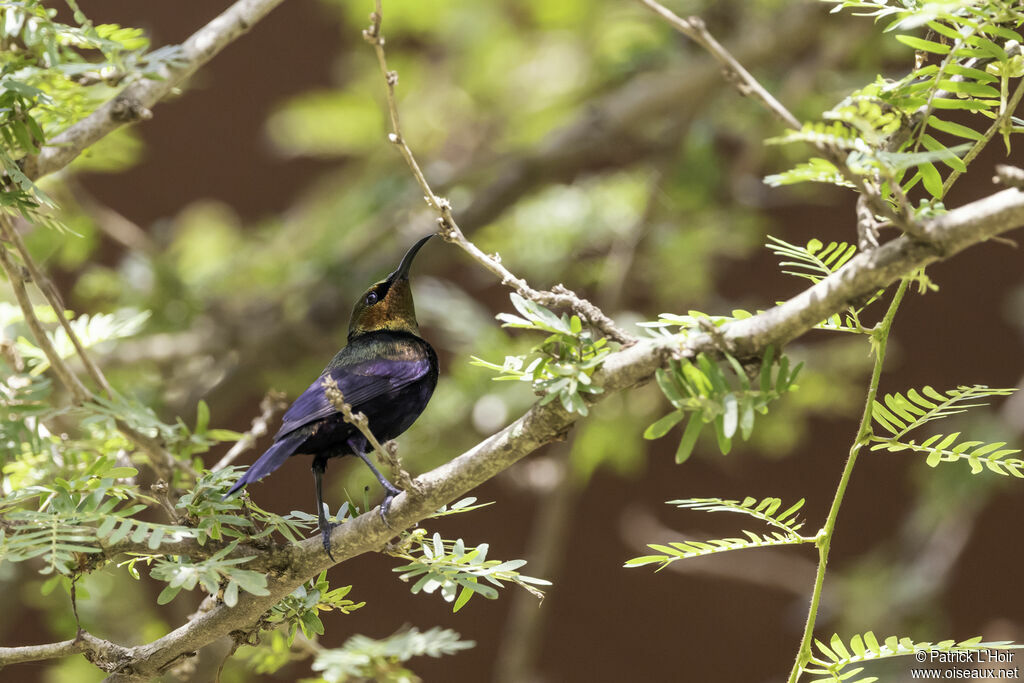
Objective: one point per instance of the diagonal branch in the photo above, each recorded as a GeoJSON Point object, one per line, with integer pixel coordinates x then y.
{"type": "Point", "coordinates": [134, 102]}
{"type": "Point", "coordinates": [559, 296]}
{"type": "Point", "coordinates": [694, 28]}
{"type": "Point", "coordinates": [948, 235]}
{"type": "Point", "coordinates": [160, 459]}
{"type": "Point", "coordinates": [17, 279]}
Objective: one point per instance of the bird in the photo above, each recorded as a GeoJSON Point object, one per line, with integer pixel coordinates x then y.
{"type": "Point", "coordinates": [385, 371]}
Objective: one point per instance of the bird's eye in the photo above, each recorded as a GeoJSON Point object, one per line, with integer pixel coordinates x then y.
{"type": "Point", "coordinates": [371, 298]}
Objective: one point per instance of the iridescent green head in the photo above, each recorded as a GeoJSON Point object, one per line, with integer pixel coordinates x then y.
{"type": "Point", "coordinates": [387, 305]}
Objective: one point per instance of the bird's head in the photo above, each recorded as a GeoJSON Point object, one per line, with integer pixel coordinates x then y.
{"type": "Point", "coordinates": [387, 305]}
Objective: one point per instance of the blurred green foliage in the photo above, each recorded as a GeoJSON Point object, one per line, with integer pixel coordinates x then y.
{"type": "Point", "coordinates": [545, 124]}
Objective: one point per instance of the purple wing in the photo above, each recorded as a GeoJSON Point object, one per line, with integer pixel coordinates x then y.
{"type": "Point", "coordinates": [359, 383]}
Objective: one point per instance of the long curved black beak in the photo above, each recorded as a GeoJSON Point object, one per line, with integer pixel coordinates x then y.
{"type": "Point", "coordinates": [402, 272]}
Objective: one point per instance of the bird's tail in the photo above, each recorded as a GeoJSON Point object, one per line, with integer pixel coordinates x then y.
{"type": "Point", "coordinates": [268, 462]}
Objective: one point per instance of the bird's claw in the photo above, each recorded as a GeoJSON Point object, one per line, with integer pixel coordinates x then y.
{"type": "Point", "coordinates": [385, 505]}
{"type": "Point", "coordinates": [325, 531]}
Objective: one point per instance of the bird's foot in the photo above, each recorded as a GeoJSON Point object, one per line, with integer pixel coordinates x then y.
{"type": "Point", "coordinates": [325, 532]}
{"type": "Point", "coordinates": [389, 495]}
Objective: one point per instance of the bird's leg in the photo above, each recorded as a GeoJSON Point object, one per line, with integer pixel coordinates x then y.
{"type": "Point", "coordinates": [319, 467]}
{"type": "Point", "coordinates": [390, 490]}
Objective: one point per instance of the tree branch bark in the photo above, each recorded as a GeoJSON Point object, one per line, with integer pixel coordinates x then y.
{"type": "Point", "coordinates": [948, 235]}
{"type": "Point", "coordinates": [134, 102]}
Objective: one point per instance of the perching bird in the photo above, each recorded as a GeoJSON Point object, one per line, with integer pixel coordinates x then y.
{"type": "Point", "coordinates": [387, 372]}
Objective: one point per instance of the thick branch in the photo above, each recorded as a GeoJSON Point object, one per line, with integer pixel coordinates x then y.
{"type": "Point", "coordinates": [864, 274]}
{"type": "Point", "coordinates": [135, 101]}
{"type": "Point", "coordinates": [105, 654]}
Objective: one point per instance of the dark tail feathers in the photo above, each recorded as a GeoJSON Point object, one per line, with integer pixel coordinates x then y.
{"type": "Point", "coordinates": [268, 462]}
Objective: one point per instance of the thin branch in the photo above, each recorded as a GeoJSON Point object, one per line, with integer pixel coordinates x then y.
{"type": "Point", "coordinates": [560, 295]}
{"type": "Point", "coordinates": [162, 462]}
{"type": "Point", "coordinates": [979, 145]}
{"type": "Point", "coordinates": [134, 102]}
{"type": "Point", "coordinates": [16, 277]}
{"type": "Point", "coordinates": [272, 404]}
{"type": "Point", "coordinates": [865, 273]}
{"type": "Point", "coordinates": [694, 28]}
{"type": "Point", "coordinates": [824, 539]}
{"type": "Point", "coordinates": [360, 422]}
{"type": "Point", "coordinates": [35, 653]}
{"type": "Point", "coordinates": [49, 291]}
{"type": "Point", "coordinates": [624, 126]}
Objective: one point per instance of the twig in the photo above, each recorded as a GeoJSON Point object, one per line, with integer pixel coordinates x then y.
{"type": "Point", "coordinates": [559, 295]}
{"type": "Point", "coordinates": [162, 462]}
{"type": "Point", "coordinates": [272, 404]}
{"type": "Point", "coordinates": [979, 145]}
{"type": "Point", "coordinates": [16, 278]}
{"type": "Point", "coordinates": [694, 28]}
{"type": "Point", "coordinates": [360, 422]}
{"type": "Point", "coordinates": [867, 225]}
{"type": "Point", "coordinates": [134, 102]}
{"type": "Point", "coordinates": [49, 291]}
{"type": "Point", "coordinates": [864, 273]}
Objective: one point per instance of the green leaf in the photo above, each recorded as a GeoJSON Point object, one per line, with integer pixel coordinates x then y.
{"type": "Point", "coordinates": [167, 594]}
{"type": "Point", "coordinates": [924, 45]}
{"type": "Point", "coordinates": [730, 419]}
{"type": "Point", "coordinates": [202, 417]}
{"type": "Point", "coordinates": [694, 425]}
{"type": "Point", "coordinates": [663, 425]}
{"type": "Point", "coordinates": [954, 128]}
{"type": "Point", "coordinates": [931, 179]}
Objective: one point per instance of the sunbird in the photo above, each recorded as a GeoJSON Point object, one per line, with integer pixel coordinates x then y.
{"type": "Point", "coordinates": [386, 371]}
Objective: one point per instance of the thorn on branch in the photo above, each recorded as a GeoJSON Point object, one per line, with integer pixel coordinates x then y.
{"type": "Point", "coordinates": [371, 34]}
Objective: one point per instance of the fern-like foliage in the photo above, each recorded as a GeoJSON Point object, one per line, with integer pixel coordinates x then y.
{"type": "Point", "coordinates": [899, 414]}
{"type": "Point", "coordinates": [564, 361]}
{"type": "Point", "coordinates": [301, 609]}
{"type": "Point", "coordinates": [711, 396]}
{"type": "Point", "coordinates": [899, 131]}
{"type": "Point", "coordinates": [182, 574]}
{"type": "Point", "coordinates": [767, 510]}
{"type": "Point", "coordinates": [362, 658]}
{"type": "Point", "coordinates": [459, 571]}
{"type": "Point", "coordinates": [91, 331]}
{"type": "Point", "coordinates": [831, 661]}
{"type": "Point", "coordinates": [814, 262]}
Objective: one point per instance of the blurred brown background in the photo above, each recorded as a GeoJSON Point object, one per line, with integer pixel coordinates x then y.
{"type": "Point", "coordinates": [952, 566]}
